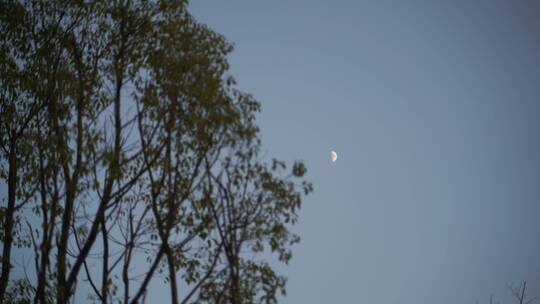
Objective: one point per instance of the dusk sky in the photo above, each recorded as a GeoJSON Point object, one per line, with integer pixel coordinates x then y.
{"type": "Point", "coordinates": [434, 110]}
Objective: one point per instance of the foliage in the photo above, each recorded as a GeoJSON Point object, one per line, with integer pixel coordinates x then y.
{"type": "Point", "coordinates": [124, 139]}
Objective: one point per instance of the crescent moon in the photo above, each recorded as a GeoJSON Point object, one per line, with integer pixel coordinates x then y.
{"type": "Point", "coordinates": [333, 156]}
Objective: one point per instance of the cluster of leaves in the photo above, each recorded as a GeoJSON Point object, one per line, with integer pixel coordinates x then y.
{"type": "Point", "coordinates": [123, 139]}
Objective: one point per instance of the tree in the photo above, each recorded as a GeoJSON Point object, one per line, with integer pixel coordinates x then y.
{"type": "Point", "coordinates": [518, 293]}
{"type": "Point", "coordinates": [19, 111]}
{"type": "Point", "coordinates": [124, 136]}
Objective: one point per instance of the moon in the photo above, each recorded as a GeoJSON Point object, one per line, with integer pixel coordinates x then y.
{"type": "Point", "coordinates": [333, 156]}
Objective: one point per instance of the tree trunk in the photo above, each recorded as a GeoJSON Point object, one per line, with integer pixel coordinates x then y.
{"type": "Point", "coordinates": [172, 274]}
{"type": "Point", "coordinates": [8, 223]}
{"type": "Point", "coordinates": [105, 274]}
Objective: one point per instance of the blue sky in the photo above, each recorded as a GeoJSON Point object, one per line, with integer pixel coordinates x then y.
{"type": "Point", "coordinates": [433, 107]}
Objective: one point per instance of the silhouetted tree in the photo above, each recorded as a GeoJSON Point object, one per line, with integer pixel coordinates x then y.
{"type": "Point", "coordinates": [518, 294]}
{"type": "Point", "coordinates": [124, 139]}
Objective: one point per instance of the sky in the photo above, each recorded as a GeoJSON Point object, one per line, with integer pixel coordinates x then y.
{"type": "Point", "coordinates": [434, 110]}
